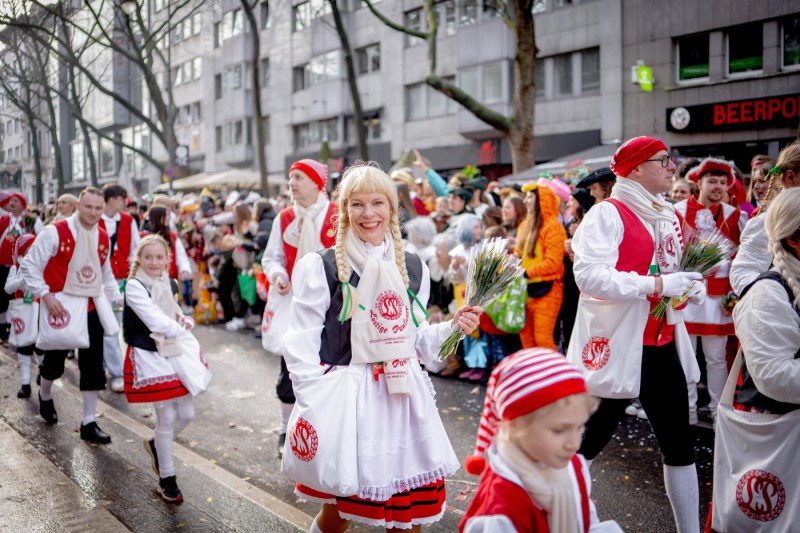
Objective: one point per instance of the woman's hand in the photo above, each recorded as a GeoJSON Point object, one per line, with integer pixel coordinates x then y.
{"type": "Point", "coordinates": [467, 318]}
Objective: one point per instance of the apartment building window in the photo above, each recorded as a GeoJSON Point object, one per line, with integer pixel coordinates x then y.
{"type": "Point", "coordinates": [197, 112]}
{"type": "Point", "coordinates": [540, 78]}
{"type": "Point", "coordinates": [304, 13]}
{"type": "Point", "coordinates": [447, 24]}
{"type": "Point", "coordinates": [423, 101]}
{"type": "Point", "coordinates": [217, 34]}
{"type": "Point", "coordinates": [468, 12]}
{"type": "Point", "coordinates": [264, 15]}
{"type": "Point", "coordinates": [493, 83]}
{"type": "Point", "coordinates": [197, 23]}
{"type": "Point", "coordinates": [791, 42]}
{"type": "Point", "coordinates": [218, 137]}
{"type": "Point", "coordinates": [265, 75]}
{"type": "Point", "coordinates": [492, 9]}
{"type": "Point", "coordinates": [265, 124]}
{"type": "Point", "coordinates": [468, 81]}
{"type": "Point", "coordinates": [187, 29]}
{"type": "Point", "coordinates": [218, 86]}
{"type": "Point", "coordinates": [746, 49]}
{"type": "Point", "coordinates": [368, 59]}
{"type": "Point", "coordinates": [231, 78]}
{"type": "Point", "coordinates": [16, 126]}
{"type": "Point", "coordinates": [436, 102]}
{"type": "Point", "coordinates": [561, 3]}
{"type": "Point", "coordinates": [17, 153]}
{"type": "Point", "coordinates": [197, 68]}
{"type": "Point", "coordinates": [413, 20]}
{"type": "Point", "coordinates": [231, 25]}
{"type": "Point", "coordinates": [188, 71]}
{"type": "Point", "coordinates": [692, 52]}
{"type": "Point", "coordinates": [312, 134]}
{"type": "Point", "coordinates": [415, 103]}
{"type": "Point", "coordinates": [562, 75]}
{"type": "Point", "coordinates": [77, 161]}
{"type": "Point", "coordinates": [300, 78]}
{"type": "Point", "coordinates": [106, 156]}
{"type": "Point", "coordinates": [324, 67]}
{"type": "Point", "coordinates": [590, 70]}
{"type": "Point", "coordinates": [372, 125]}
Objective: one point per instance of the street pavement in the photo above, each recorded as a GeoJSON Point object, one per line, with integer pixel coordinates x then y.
{"type": "Point", "coordinates": [227, 463]}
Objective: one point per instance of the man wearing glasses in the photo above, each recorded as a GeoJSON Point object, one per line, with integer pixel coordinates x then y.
{"type": "Point", "coordinates": [627, 257]}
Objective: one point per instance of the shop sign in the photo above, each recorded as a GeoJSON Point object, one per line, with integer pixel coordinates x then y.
{"type": "Point", "coordinates": [753, 113]}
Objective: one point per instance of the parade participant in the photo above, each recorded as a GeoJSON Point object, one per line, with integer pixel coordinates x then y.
{"type": "Point", "coordinates": [621, 349]}
{"type": "Point", "coordinates": [123, 238]}
{"type": "Point", "coordinates": [755, 459]}
{"type": "Point", "coordinates": [306, 226]}
{"type": "Point", "coordinates": [67, 257]}
{"type": "Point", "coordinates": [399, 447]}
{"type": "Point", "coordinates": [759, 185]}
{"type": "Point", "coordinates": [13, 223]}
{"type": "Point", "coordinates": [179, 266]}
{"type": "Point", "coordinates": [15, 286]}
{"type": "Point", "coordinates": [599, 183]}
{"type": "Point", "coordinates": [754, 256]}
{"type": "Point", "coordinates": [530, 430]}
{"type": "Point", "coordinates": [541, 247]}
{"type": "Point", "coordinates": [708, 320]}
{"type": "Point", "coordinates": [66, 205]}
{"type": "Point", "coordinates": [681, 190]}
{"type": "Point", "coordinates": [150, 308]}
{"type": "Point", "coordinates": [514, 212]}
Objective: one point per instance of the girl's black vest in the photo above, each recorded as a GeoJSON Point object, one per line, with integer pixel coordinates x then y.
{"type": "Point", "coordinates": [134, 331]}
{"type": "Point", "coordinates": [335, 347]}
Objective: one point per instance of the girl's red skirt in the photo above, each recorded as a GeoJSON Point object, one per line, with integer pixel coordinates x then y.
{"type": "Point", "coordinates": [422, 505]}
{"type": "Point", "coordinates": [157, 392]}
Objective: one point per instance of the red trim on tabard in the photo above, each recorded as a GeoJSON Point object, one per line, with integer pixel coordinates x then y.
{"type": "Point", "coordinates": [576, 466]}
{"type": "Point", "coordinates": [710, 330]}
{"type": "Point", "coordinates": [120, 259]}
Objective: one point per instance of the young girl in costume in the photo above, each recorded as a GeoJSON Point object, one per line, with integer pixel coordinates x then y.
{"type": "Point", "coordinates": [357, 334]}
{"type": "Point", "coordinates": [150, 377]}
{"type": "Point", "coordinates": [15, 287]}
{"type": "Point", "coordinates": [530, 430]}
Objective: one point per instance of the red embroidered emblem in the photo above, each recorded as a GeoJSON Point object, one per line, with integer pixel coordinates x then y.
{"type": "Point", "coordinates": [596, 353]}
{"type": "Point", "coordinates": [19, 326]}
{"type": "Point", "coordinates": [267, 321]}
{"type": "Point", "coordinates": [760, 495]}
{"type": "Point", "coordinates": [303, 440]}
{"type": "Point", "coordinates": [58, 322]}
{"type": "Point", "coordinates": [390, 305]}
{"type": "Point", "coordinates": [86, 275]}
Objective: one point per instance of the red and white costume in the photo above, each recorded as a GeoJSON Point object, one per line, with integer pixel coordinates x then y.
{"type": "Point", "coordinates": [11, 228]}
{"type": "Point", "coordinates": [127, 239]}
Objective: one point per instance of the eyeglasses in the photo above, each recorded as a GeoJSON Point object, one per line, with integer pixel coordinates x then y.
{"type": "Point", "coordinates": [665, 160]}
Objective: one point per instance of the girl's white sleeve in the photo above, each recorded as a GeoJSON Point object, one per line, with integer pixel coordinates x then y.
{"type": "Point", "coordinates": [429, 336]}
{"type": "Point", "coordinates": [150, 314]}
{"type": "Point", "coordinates": [310, 301]}
{"type": "Point", "coordinates": [13, 281]}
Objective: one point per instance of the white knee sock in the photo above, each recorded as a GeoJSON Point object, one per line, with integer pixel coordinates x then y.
{"type": "Point", "coordinates": [45, 389]}
{"type": "Point", "coordinates": [314, 527]}
{"type": "Point", "coordinates": [684, 495]}
{"type": "Point", "coordinates": [164, 434]}
{"type": "Point", "coordinates": [89, 405]}
{"type": "Point", "coordinates": [184, 408]}
{"type": "Point", "coordinates": [286, 412]}
{"type": "Point", "coordinates": [24, 369]}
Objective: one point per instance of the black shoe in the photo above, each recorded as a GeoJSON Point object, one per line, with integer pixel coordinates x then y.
{"type": "Point", "coordinates": [91, 432]}
{"type": "Point", "coordinates": [281, 442]}
{"type": "Point", "coordinates": [48, 410]}
{"type": "Point", "coordinates": [24, 391]}
{"type": "Point", "coordinates": [169, 491]}
{"type": "Point", "coordinates": [150, 448]}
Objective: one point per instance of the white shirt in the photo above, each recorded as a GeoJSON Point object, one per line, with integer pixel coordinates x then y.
{"type": "Point", "coordinates": [753, 257]}
{"type": "Point", "coordinates": [44, 248]}
{"type": "Point", "coordinates": [768, 327]}
{"type": "Point", "coordinates": [14, 282]}
{"type": "Point", "coordinates": [273, 262]}
{"type": "Point", "coordinates": [111, 229]}
{"type": "Point", "coordinates": [310, 305]}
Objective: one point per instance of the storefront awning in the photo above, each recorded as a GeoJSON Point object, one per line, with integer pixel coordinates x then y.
{"type": "Point", "coordinates": [226, 180]}
{"type": "Point", "coordinates": [567, 167]}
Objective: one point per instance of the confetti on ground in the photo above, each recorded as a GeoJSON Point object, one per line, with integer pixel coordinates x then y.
{"type": "Point", "coordinates": [246, 478]}
{"type": "Point", "coordinates": [212, 461]}
{"type": "Point", "coordinates": [462, 496]}
{"type": "Point", "coordinates": [209, 499]}
{"type": "Point", "coordinates": [476, 390]}
{"type": "Point", "coordinates": [238, 394]}
{"type": "Point", "coordinates": [231, 424]}
{"type": "Point", "coordinates": [192, 444]}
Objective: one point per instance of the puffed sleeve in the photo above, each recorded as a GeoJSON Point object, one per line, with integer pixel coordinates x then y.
{"type": "Point", "coordinates": [13, 281]}
{"type": "Point", "coordinates": [596, 246]}
{"type": "Point", "coordinates": [35, 261]}
{"type": "Point", "coordinates": [151, 315]}
{"type": "Point", "coordinates": [273, 262]}
{"type": "Point", "coordinates": [753, 256]}
{"type": "Point", "coordinates": [769, 330]}
{"type": "Point", "coordinates": [310, 301]}
{"type": "Point", "coordinates": [429, 336]}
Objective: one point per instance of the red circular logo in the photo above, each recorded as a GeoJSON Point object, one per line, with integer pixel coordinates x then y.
{"type": "Point", "coordinates": [390, 305]}
{"type": "Point", "coordinates": [267, 321]}
{"type": "Point", "coordinates": [19, 326]}
{"type": "Point", "coordinates": [596, 353]}
{"type": "Point", "coordinates": [303, 440]}
{"type": "Point", "coordinates": [58, 322]}
{"type": "Point", "coordinates": [86, 274]}
{"type": "Point", "coordinates": [760, 495]}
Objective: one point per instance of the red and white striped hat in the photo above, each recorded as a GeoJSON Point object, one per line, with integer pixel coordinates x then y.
{"type": "Point", "coordinates": [523, 382]}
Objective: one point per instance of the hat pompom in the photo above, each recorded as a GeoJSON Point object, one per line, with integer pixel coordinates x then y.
{"type": "Point", "coordinates": [475, 464]}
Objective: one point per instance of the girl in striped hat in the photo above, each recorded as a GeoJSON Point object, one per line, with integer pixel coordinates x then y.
{"type": "Point", "coordinates": [530, 430]}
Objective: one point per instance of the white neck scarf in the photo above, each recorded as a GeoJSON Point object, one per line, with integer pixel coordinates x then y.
{"type": "Point", "coordinates": [160, 293]}
{"type": "Point", "coordinates": [550, 488]}
{"type": "Point", "coordinates": [84, 272]}
{"type": "Point", "coordinates": [302, 232]}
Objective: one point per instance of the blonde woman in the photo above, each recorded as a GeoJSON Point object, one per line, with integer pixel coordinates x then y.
{"type": "Point", "coordinates": [358, 327]}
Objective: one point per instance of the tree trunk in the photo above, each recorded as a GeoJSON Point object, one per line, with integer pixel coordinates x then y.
{"type": "Point", "coordinates": [520, 137]}
{"type": "Point", "coordinates": [255, 59]}
{"type": "Point", "coordinates": [37, 162]}
{"type": "Point", "coordinates": [87, 142]}
{"type": "Point", "coordinates": [358, 112]}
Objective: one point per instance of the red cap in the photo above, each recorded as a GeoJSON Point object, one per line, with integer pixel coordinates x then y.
{"type": "Point", "coordinates": [633, 152]}
{"type": "Point", "coordinates": [8, 196]}
{"type": "Point", "coordinates": [710, 164]}
{"type": "Point", "coordinates": [314, 170]}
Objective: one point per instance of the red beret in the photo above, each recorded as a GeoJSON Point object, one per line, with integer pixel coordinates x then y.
{"type": "Point", "coordinates": [709, 164]}
{"type": "Point", "coordinates": [8, 196]}
{"type": "Point", "coordinates": [314, 170]}
{"type": "Point", "coordinates": [633, 152]}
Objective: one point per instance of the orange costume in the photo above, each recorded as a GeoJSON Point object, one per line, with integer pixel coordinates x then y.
{"type": "Point", "coordinates": [546, 265]}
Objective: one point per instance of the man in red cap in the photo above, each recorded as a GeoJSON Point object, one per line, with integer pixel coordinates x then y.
{"type": "Point", "coordinates": [307, 226]}
{"type": "Point", "coordinates": [707, 320]}
{"type": "Point", "coordinates": [14, 223]}
{"type": "Point", "coordinates": [627, 257]}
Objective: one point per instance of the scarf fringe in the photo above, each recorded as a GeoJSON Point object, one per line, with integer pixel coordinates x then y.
{"type": "Point", "coordinates": [381, 494]}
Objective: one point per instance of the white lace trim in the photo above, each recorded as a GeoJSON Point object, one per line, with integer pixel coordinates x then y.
{"type": "Point", "coordinates": [306, 498]}
{"type": "Point", "coordinates": [395, 524]}
{"type": "Point", "coordinates": [381, 494]}
{"type": "Point", "coordinates": [141, 383]}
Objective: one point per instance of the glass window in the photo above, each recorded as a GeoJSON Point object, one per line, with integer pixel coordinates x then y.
{"type": "Point", "coordinates": [468, 12]}
{"type": "Point", "coordinates": [448, 26]}
{"type": "Point", "coordinates": [234, 77]}
{"type": "Point", "coordinates": [468, 81]}
{"type": "Point", "coordinates": [238, 22]}
{"type": "Point", "coordinates": [368, 59]}
{"type": "Point", "coordinates": [539, 6]}
{"type": "Point", "coordinates": [218, 136]}
{"type": "Point", "coordinates": [562, 75]}
{"type": "Point", "coordinates": [324, 67]}
{"type": "Point", "coordinates": [493, 83]}
{"type": "Point", "coordinates": [492, 9]}
{"type": "Point", "coordinates": [590, 70]}
{"type": "Point", "coordinates": [265, 72]}
{"type": "Point", "coordinates": [414, 103]}
{"type": "Point", "coordinates": [319, 8]}
{"type": "Point", "coordinates": [264, 18]}
{"type": "Point", "coordinates": [188, 72]}
{"type": "Point", "coordinates": [197, 23]}
{"type": "Point", "coordinates": [227, 25]}
{"type": "Point", "coordinates": [300, 78]}
{"type": "Point", "coordinates": [791, 42]}
{"type": "Point", "coordinates": [413, 21]}
{"type": "Point", "coordinates": [197, 112]}
{"type": "Point", "coordinates": [301, 16]}
{"type": "Point", "coordinates": [77, 161]}
{"type": "Point", "coordinates": [437, 102]}
{"type": "Point", "coordinates": [106, 156]}
{"type": "Point", "coordinates": [237, 132]}
{"type": "Point", "coordinates": [218, 86]}
{"type": "Point", "coordinates": [561, 3]}
{"type": "Point", "coordinates": [540, 78]}
{"type": "Point", "coordinates": [186, 30]}
{"type": "Point", "coordinates": [301, 136]}
{"type": "Point", "coordinates": [197, 67]}
{"type": "Point", "coordinates": [177, 76]}
{"type": "Point", "coordinates": [266, 126]}
{"type": "Point", "coordinates": [693, 57]}
{"type": "Point", "coordinates": [217, 34]}
{"type": "Point", "coordinates": [745, 49]}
